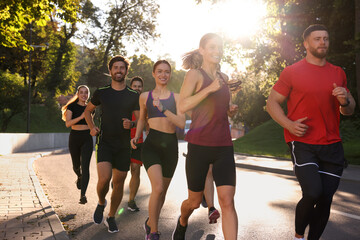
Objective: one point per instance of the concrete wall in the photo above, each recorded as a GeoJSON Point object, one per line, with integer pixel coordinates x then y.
{"type": "Point", "coordinates": [25, 142]}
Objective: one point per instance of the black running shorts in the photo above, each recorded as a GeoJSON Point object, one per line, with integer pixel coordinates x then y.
{"type": "Point", "coordinates": [198, 160]}
{"type": "Point", "coordinates": [160, 148]}
{"type": "Point", "coordinates": [329, 159]}
{"type": "Point", "coordinates": [118, 157]}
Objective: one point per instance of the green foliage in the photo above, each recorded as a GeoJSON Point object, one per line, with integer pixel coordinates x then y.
{"type": "Point", "coordinates": [12, 97]}
{"type": "Point", "coordinates": [142, 66]}
{"type": "Point", "coordinates": [281, 42]}
{"type": "Point", "coordinates": [268, 140]}
{"type": "Point", "coordinates": [251, 100]}
{"type": "Point", "coordinates": [59, 75]}
{"type": "Point", "coordinates": [15, 16]}
{"type": "Point", "coordinates": [43, 120]}
{"type": "Point", "coordinates": [125, 22]}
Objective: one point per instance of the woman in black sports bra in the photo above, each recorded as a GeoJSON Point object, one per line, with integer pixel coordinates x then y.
{"type": "Point", "coordinates": [80, 140]}
{"type": "Point", "coordinates": [160, 149]}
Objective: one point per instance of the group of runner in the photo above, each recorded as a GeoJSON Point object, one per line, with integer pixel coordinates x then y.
{"type": "Point", "coordinates": [205, 96]}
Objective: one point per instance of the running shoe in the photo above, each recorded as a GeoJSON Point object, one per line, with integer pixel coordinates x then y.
{"type": "Point", "coordinates": [147, 229]}
{"type": "Point", "coordinates": [132, 206]}
{"type": "Point", "coordinates": [213, 215]}
{"type": "Point", "coordinates": [83, 200]}
{"type": "Point", "coordinates": [154, 236]}
{"type": "Point", "coordinates": [99, 213]}
{"type": "Point", "coordinates": [111, 224]}
{"type": "Point", "coordinates": [179, 232]}
{"type": "Point", "coordinates": [78, 183]}
{"type": "Point", "coordinates": [203, 202]}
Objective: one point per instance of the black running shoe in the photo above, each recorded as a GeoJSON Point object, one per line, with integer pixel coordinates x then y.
{"type": "Point", "coordinates": [147, 229]}
{"type": "Point", "coordinates": [83, 200]}
{"type": "Point", "coordinates": [154, 236]}
{"type": "Point", "coordinates": [78, 183]}
{"type": "Point", "coordinates": [99, 213]}
{"type": "Point", "coordinates": [132, 206]}
{"type": "Point", "coordinates": [111, 224]}
{"type": "Point", "coordinates": [203, 202]}
{"type": "Point", "coordinates": [179, 232]}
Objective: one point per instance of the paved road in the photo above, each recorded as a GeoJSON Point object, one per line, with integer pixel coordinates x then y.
{"type": "Point", "coordinates": [266, 196]}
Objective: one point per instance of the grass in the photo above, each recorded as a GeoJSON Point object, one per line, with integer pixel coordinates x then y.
{"type": "Point", "coordinates": [268, 140]}
{"type": "Point", "coordinates": [41, 121]}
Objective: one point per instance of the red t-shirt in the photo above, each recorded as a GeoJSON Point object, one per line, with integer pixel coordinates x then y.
{"type": "Point", "coordinates": [133, 131]}
{"type": "Point", "coordinates": [309, 88]}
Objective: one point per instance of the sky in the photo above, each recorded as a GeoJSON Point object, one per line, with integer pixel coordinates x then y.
{"type": "Point", "coordinates": [181, 24]}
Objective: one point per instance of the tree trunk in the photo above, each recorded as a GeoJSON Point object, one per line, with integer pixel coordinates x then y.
{"type": "Point", "coordinates": [357, 36]}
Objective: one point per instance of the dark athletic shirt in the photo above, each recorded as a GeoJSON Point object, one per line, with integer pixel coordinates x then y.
{"type": "Point", "coordinates": [169, 104]}
{"type": "Point", "coordinates": [77, 110]}
{"type": "Point", "coordinates": [115, 105]}
{"type": "Point", "coordinates": [210, 124]}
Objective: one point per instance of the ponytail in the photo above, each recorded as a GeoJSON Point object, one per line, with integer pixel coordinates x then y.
{"type": "Point", "coordinates": [192, 60]}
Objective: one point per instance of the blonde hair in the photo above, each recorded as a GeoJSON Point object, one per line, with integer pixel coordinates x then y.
{"type": "Point", "coordinates": [75, 98]}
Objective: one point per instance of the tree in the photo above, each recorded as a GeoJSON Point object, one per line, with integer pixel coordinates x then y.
{"type": "Point", "coordinates": [142, 66]}
{"type": "Point", "coordinates": [126, 22]}
{"type": "Point", "coordinates": [15, 16]}
{"type": "Point", "coordinates": [12, 101]}
{"type": "Point", "coordinates": [357, 46]}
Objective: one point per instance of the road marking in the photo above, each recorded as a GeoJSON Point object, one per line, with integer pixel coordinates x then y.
{"type": "Point", "coordinates": [346, 214]}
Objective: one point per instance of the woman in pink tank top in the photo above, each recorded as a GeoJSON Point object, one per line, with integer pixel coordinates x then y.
{"type": "Point", "coordinates": [206, 95]}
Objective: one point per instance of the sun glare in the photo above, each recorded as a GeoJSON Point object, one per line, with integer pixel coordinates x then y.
{"type": "Point", "coordinates": [181, 24]}
{"type": "Point", "coordinates": [239, 18]}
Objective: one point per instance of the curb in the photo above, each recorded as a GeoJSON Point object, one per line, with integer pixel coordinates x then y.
{"type": "Point", "coordinates": [54, 221]}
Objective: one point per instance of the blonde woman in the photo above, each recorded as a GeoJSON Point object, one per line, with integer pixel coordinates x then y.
{"type": "Point", "coordinates": [80, 140]}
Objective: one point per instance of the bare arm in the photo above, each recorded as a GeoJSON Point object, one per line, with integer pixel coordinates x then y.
{"type": "Point", "coordinates": [128, 124]}
{"type": "Point", "coordinates": [141, 119]}
{"type": "Point", "coordinates": [89, 120]}
{"type": "Point", "coordinates": [70, 122]}
{"type": "Point", "coordinates": [177, 119]}
{"type": "Point", "coordinates": [343, 96]}
{"type": "Point", "coordinates": [187, 100]}
{"type": "Point", "coordinates": [273, 107]}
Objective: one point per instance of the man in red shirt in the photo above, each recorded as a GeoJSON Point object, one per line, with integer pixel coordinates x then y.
{"type": "Point", "coordinates": [136, 84]}
{"type": "Point", "coordinates": [316, 93]}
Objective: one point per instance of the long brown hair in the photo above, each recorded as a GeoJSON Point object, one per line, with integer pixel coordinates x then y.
{"type": "Point", "coordinates": [75, 98]}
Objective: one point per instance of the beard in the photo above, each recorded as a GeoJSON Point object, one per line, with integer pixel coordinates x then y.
{"type": "Point", "coordinates": [118, 79]}
{"type": "Point", "coordinates": [317, 54]}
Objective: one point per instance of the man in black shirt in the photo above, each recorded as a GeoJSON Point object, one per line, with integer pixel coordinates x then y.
{"type": "Point", "coordinates": [117, 102]}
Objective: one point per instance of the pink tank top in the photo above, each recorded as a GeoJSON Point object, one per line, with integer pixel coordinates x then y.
{"type": "Point", "coordinates": [209, 119]}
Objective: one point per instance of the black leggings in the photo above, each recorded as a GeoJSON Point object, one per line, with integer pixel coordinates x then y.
{"type": "Point", "coordinates": [318, 169]}
{"type": "Point", "coordinates": [81, 148]}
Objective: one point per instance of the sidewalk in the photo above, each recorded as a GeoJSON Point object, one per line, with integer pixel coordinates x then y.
{"type": "Point", "coordinates": [25, 212]}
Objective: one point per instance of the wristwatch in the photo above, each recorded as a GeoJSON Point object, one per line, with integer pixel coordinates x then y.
{"type": "Point", "coordinates": [346, 104]}
{"type": "Point", "coordinates": [163, 109]}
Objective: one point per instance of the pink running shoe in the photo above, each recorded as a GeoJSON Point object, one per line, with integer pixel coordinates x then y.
{"type": "Point", "coordinates": [213, 216]}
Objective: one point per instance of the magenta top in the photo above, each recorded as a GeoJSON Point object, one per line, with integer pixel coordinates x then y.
{"type": "Point", "coordinates": [209, 119]}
